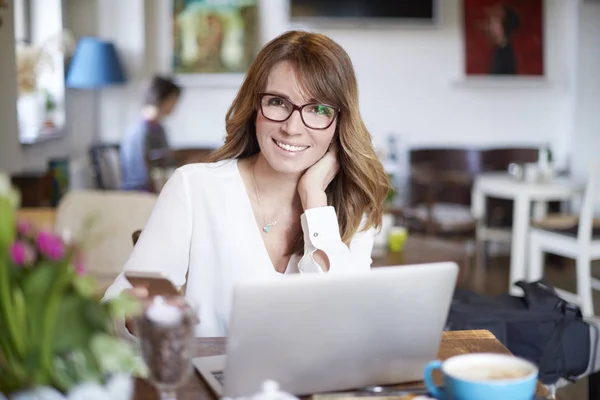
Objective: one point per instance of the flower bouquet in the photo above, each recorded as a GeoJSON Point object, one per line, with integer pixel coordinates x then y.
{"type": "Point", "coordinates": [55, 334]}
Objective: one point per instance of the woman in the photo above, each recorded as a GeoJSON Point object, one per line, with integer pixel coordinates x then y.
{"type": "Point", "coordinates": [145, 146]}
{"type": "Point", "coordinates": [297, 186]}
{"type": "Point", "coordinates": [501, 23]}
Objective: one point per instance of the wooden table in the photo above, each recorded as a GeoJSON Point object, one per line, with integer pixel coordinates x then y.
{"type": "Point", "coordinates": [453, 343]}
{"type": "Point", "coordinates": [40, 217]}
{"type": "Point", "coordinates": [422, 249]}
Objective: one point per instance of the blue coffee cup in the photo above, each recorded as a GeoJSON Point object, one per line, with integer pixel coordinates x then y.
{"type": "Point", "coordinates": [483, 376]}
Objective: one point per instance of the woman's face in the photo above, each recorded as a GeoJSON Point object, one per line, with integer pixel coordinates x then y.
{"type": "Point", "coordinates": [290, 146]}
{"type": "Point", "coordinates": [168, 105]}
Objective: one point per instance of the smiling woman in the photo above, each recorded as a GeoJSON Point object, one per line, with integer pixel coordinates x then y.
{"type": "Point", "coordinates": [296, 188]}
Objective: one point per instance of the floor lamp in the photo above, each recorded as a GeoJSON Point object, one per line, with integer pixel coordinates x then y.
{"type": "Point", "coordinates": [95, 65]}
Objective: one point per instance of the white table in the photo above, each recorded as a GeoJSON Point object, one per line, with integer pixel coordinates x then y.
{"type": "Point", "coordinates": [504, 186]}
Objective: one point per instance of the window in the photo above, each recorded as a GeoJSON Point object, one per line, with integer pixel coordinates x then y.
{"type": "Point", "coordinates": [40, 51]}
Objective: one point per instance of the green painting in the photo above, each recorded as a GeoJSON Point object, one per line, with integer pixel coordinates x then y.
{"type": "Point", "coordinates": [214, 36]}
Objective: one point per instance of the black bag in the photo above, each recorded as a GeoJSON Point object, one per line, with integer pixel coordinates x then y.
{"type": "Point", "coordinates": [540, 327]}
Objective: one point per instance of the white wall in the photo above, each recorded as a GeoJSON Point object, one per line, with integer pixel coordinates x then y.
{"type": "Point", "coordinates": [410, 82]}
{"type": "Point", "coordinates": [586, 137]}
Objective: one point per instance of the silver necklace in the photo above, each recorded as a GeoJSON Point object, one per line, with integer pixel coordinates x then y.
{"type": "Point", "coordinates": [266, 227]}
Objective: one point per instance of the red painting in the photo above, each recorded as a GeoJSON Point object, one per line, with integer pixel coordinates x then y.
{"type": "Point", "coordinates": [504, 37]}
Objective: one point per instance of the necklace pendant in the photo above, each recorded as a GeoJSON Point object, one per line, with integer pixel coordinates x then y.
{"type": "Point", "coordinates": [268, 226]}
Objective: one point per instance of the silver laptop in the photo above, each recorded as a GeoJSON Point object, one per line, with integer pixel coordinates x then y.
{"type": "Point", "coordinates": [315, 333]}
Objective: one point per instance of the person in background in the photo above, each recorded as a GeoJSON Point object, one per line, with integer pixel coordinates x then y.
{"type": "Point", "coordinates": [145, 145]}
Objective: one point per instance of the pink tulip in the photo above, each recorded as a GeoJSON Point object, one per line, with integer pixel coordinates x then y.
{"type": "Point", "coordinates": [79, 265]}
{"type": "Point", "coordinates": [24, 228]}
{"type": "Point", "coordinates": [50, 245]}
{"type": "Point", "coordinates": [22, 253]}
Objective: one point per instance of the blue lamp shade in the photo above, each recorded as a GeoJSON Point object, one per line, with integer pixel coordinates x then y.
{"type": "Point", "coordinates": [94, 65]}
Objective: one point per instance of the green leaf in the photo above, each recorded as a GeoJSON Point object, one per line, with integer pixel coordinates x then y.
{"type": "Point", "coordinates": [7, 316]}
{"type": "Point", "coordinates": [7, 221]}
{"type": "Point", "coordinates": [75, 367]}
{"type": "Point", "coordinates": [116, 355]}
{"type": "Point", "coordinates": [14, 371]}
{"type": "Point", "coordinates": [85, 285]}
{"type": "Point", "coordinates": [124, 305]}
{"type": "Point", "coordinates": [73, 330]}
{"type": "Point", "coordinates": [20, 313]}
{"type": "Point", "coordinates": [63, 378]}
{"type": "Point", "coordinates": [9, 382]}
{"type": "Point", "coordinates": [39, 282]}
{"type": "Point", "coordinates": [96, 315]}
{"type": "Point", "coordinates": [36, 289]}
{"type": "Point", "coordinates": [50, 317]}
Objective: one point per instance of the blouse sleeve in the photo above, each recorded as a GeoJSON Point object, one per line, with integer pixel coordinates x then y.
{"type": "Point", "coordinates": [164, 244]}
{"type": "Point", "coordinates": [322, 232]}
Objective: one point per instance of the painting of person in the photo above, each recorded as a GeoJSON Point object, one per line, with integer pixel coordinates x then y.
{"type": "Point", "coordinates": [214, 36]}
{"type": "Point", "coordinates": [503, 37]}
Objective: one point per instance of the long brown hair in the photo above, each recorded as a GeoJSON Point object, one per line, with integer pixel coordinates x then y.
{"type": "Point", "coordinates": [327, 74]}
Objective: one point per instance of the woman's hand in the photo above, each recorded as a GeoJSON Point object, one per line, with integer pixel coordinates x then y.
{"type": "Point", "coordinates": [315, 180]}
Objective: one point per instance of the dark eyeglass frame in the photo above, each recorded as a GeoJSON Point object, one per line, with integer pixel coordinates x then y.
{"type": "Point", "coordinates": [299, 108]}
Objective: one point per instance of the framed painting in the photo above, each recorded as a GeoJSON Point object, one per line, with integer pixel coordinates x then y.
{"type": "Point", "coordinates": [504, 38]}
{"type": "Point", "coordinates": [217, 39]}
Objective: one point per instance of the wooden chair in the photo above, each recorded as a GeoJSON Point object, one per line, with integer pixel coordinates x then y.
{"type": "Point", "coordinates": [192, 155]}
{"type": "Point", "coordinates": [104, 220]}
{"type": "Point", "coordinates": [106, 165]}
{"type": "Point", "coordinates": [440, 192]}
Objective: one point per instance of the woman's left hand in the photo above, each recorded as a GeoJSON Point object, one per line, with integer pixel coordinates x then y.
{"type": "Point", "coordinates": [315, 179]}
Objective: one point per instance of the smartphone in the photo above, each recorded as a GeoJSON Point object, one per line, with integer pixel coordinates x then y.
{"type": "Point", "coordinates": [156, 283]}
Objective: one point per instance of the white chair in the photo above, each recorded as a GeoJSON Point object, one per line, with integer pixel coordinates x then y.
{"type": "Point", "coordinates": [580, 245]}
{"type": "Point", "coordinates": [105, 221]}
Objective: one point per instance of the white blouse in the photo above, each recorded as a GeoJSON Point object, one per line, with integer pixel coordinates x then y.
{"type": "Point", "coordinates": [203, 225]}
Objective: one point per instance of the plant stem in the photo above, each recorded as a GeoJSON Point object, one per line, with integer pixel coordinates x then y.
{"type": "Point", "coordinates": [54, 298]}
{"type": "Point", "coordinates": [6, 304]}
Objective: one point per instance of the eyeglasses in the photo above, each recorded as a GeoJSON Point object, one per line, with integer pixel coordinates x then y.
{"type": "Point", "coordinates": [314, 115]}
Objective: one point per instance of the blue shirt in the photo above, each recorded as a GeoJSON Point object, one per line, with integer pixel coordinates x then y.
{"type": "Point", "coordinates": [145, 142]}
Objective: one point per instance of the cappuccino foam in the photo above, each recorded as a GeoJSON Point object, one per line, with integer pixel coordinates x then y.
{"type": "Point", "coordinates": [490, 372]}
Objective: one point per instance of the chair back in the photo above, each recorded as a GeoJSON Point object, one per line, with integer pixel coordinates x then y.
{"type": "Point", "coordinates": [586, 216]}
{"type": "Point", "coordinates": [498, 159]}
{"type": "Point", "coordinates": [105, 160]}
{"type": "Point", "coordinates": [450, 170]}
{"type": "Point", "coordinates": [104, 220]}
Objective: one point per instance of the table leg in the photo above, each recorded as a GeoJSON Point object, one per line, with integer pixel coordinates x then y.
{"type": "Point", "coordinates": [477, 274]}
{"type": "Point", "coordinates": [518, 271]}
{"type": "Point", "coordinates": [477, 202]}
{"type": "Point", "coordinates": [540, 209]}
